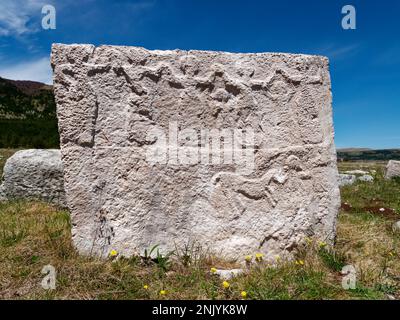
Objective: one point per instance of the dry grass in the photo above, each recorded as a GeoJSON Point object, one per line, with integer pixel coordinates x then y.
{"type": "Point", "coordinates": [366, 236]}
{"type": "Point", "coordinates": [4, 155]}
{"type": "Point", "coordinates": [371, 246]}
{"type": "Point", "coordinates": [361, 165]}
{"type": "Point", "coordinates": [34, 234]}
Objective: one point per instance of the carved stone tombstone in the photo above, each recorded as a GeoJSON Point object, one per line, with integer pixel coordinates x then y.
{"type": "Point", "coordinates": [392, 169]}
{"type": "Point", "coordinates": [234, 151]}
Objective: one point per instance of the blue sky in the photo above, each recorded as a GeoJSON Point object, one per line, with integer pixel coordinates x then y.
{"type": "Point", "coordinates": [365, 63]}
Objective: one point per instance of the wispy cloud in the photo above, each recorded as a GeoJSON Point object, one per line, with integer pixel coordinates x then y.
{"type": "Point", "coordinates": [35, 70]}
{"type": "Point", "coordinates": [17, 16]}
{"type": "Point", "coordinates": [336, 52]}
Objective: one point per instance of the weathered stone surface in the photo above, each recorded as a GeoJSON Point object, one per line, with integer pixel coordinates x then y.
{"type": "Point", "coordinates": [3, 197]}
{"type": "Point", "coordinates": [366, 178]}
{"type": "Point", "coordinates": [110, 98]}
{"type": "Point", "coordinates": [346, 179]}
{"type": "Point", "coordinates": [34, 174]}
{"type": "Point", "coordinates": [392, 169]}
{"type": "Point", "coordinates": [396, 227]}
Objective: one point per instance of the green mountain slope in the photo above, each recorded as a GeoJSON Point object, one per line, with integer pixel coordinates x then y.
{"type": "Point", "coordinates": [27, 115]}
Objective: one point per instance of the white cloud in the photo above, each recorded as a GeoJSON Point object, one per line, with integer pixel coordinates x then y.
{"type": "Point", "coordinates": [35, 70]}
{"type": "Point", "coordinates": [16, 16]}
{"type": "Point", "coordinates": [338, 52]}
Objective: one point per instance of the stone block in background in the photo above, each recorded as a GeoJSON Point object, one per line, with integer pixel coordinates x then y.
{"type": "Point", "coordinates": [34, 174]}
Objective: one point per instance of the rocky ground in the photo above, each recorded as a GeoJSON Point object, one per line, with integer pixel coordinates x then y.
{"type": "Point", "coordinates": [34, 234]}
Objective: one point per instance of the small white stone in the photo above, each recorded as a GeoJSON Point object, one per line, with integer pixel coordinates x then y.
{"type": "Point", "coordinates": [228, 274]}
{"type": "Point", "coordinates": [396, 227]}
{"type": "Point", "coordinates": [360, 172]}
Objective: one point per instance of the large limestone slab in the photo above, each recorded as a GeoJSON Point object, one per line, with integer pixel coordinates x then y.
{"type": "Point", "coordinates": [130, 187]}
{"type": "Point", "coordinates": [346, 179]}
{"type": "Point", "coordinates": [34, 174]}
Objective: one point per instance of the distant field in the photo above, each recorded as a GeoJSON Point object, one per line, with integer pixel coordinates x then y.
{"type": "Point", "coordinates": [368, 155]}
{"type": "Point", "coordinates": [361, 165]}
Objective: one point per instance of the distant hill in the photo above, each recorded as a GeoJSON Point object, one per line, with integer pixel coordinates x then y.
{"type": "Point", "coordinates": [360, 154]}
{"type": "Point", "coordinates": [27, 115]}
{"type": "Point", "coordinates": [26, 99]}
{"type": "Point", "coordinates": [353, 149]}
{"type": "Point", "coordinates": [29, 87]}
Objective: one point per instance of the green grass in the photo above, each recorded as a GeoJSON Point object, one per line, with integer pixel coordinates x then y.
{"type": "Point", "coordinates": [333, 260]}
{"type": "Point", "coordinates": [29, 133]}
{"type": "Point", "coordinates": [384, 193]}
{"type": "Point", "coordinates": [34, 234]}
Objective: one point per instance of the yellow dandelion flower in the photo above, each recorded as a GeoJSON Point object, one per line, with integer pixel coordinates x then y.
{"type": "Point", "coordinates": [145, 286]}
{"type": "Point", "coordinates": [322, 244]}
{"type": "Point", "coordinates": [243, 294]}
{"type": "Point", "coordinates": [113, 253]}
{"type": "Point", "coordinates": [248, 258]}
{"type": "Point", "coordinates": [213, 270]}
{"type": "Point", "coordinates": [226, 284]}
{"type": "Point", "coordinates": [259, 257]}
{"type": "Point", "coordinates": [300, 262]}
{"type": "Point", "coordinates": [308, 240]}
{"type": "Point", "coordinates": [163, 292]}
